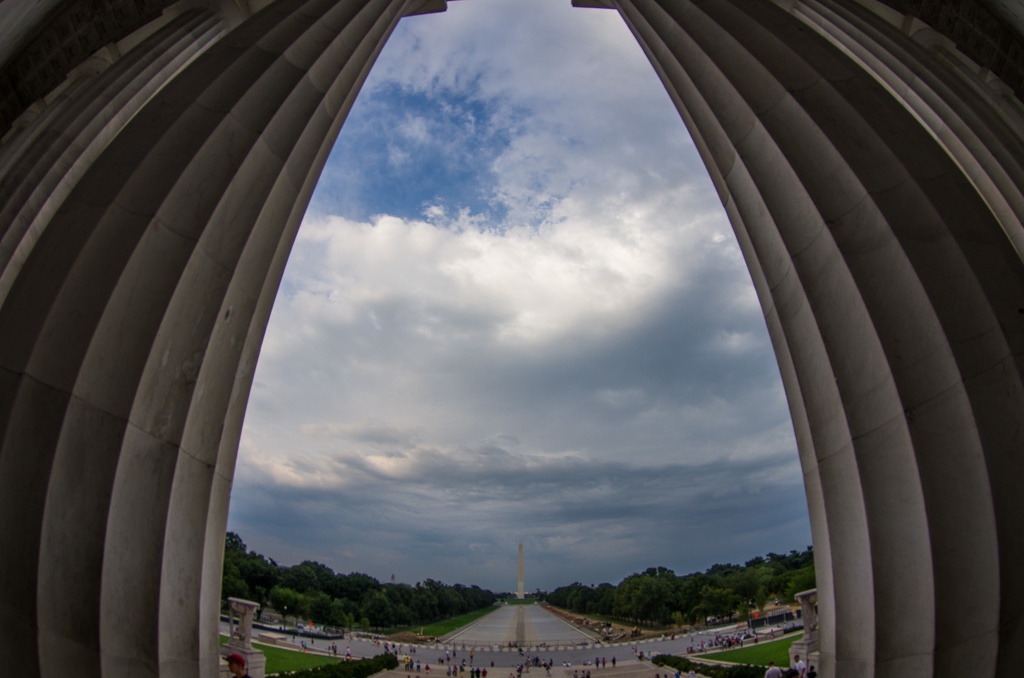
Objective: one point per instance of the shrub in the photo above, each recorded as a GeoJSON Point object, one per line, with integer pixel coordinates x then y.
{"type": "Point", "coordinates": [684, 666]}
{"type": "Point", "coordinates": [357, 669]}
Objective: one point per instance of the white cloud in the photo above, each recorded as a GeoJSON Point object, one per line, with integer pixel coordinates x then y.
{"type": "Point", "coordinates": [415, 128]}
{"type": "Point", "coordinates": [725, 341]}
{"type": "Point", "coordinates": [516, 287]}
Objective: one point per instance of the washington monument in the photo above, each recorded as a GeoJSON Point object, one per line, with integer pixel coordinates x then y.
{"type": "Point", "coordinates": [520, 593]}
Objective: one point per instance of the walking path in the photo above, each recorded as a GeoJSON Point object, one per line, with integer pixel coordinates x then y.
{"type": "Point", "coordinates": [628, 669]}
{"type": "Point", "coordinates": [520, 625]}
{"type": "Point", "coordinates": [580, 655]}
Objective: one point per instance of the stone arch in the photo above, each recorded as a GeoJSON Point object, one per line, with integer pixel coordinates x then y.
{"type": "Point", "coordinates": [872, 173]}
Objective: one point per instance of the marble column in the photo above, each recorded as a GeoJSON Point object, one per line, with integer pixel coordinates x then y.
{"type": "Point", "coordinates": [129, 334]}
{"type": "Point", "coordinates": [873, 180]}
{"type": "Point", "coordinates": [41, 162]}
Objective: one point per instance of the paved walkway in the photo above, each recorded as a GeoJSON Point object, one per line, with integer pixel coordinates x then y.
{"type": "Point", "coordinates": [628, 669]}
{"type": "Point", "coordinates": [580, 657]}
{"type": "Point", "coordinates": [521, 625]}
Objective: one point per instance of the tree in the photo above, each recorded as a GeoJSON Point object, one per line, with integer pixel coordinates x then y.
{"type": "Point", "coordinates": [339, 615]}
{"type": "Point", "coordinates": [603, 601]}
{"type": "Point", "coordinates": [232, 585]}
{"type": "Point", "coordinates": [353, 586]}
{"type": "Point", "coordinates": [307, 577]}
{"type": "Point", "coordinates": [287, 601]}
{"type": "Point", "coordinates": [801, 580]}
{"type": "Point", "coordinates": [320, 607]}
{"type": "Point", "coordinates": [260, 575]}
{"type": "Point", "coordinates": [743, 582]}
{"type": "Point", "coordinates": [233, 543]}
{"type": "Point", "coordinates": [626, 598]}
{"type": "Point", "coordinates": [760, 599]}
{"type": "Point", "coordinates": [378, 609]}
{"type": "Point", "coordinates": [425, 605]}
{"type": "Point", "coordinates": [718, 602]}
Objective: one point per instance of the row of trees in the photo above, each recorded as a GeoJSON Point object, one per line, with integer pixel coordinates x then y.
{"type": "Point", "coordinates": [313, 591]}
{"type": "Point", "coordinates": [659, 596]}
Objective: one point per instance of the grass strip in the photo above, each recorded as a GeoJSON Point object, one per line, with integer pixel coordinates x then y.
{"type": "Point", "coordinates": [758, 655]}
{"type": "Point", "coordinates": [446, 626]}
{"type": "Point", "coordinates": [279, 659]}
{"type": "Point", "coordinates": [359, 669]}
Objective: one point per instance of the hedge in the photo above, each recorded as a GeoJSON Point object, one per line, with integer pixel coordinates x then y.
{"type": "Point", "coordinates": [363, 668]}
{"type": "Point", "coordinates": [684, 666]}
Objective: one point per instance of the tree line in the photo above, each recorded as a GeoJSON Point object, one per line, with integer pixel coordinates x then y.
{"type": "Point", "coordinates": [659, 596]}
{"type": "Point", "coordinates": [313, 591]}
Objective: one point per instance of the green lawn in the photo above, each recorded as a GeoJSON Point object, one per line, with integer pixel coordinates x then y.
{"type": "Point", "coordinates": [443, 628]}
{"type": "Point", "coordinates": [279, 659]}
{"type": "Point", "coordinates": [759, 655]}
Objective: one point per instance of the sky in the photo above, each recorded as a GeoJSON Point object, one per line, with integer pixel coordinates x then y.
{"type": "Point", "coordinates": [516, 312]}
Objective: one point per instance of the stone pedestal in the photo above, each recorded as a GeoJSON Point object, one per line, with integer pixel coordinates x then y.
{"type": "Point", "coordinates": [807, 647]}
{"type": "Point", "coordinates": [240, 618]}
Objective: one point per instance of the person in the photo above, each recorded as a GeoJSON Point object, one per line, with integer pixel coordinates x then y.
{"type": "Point", "coordinates": [811, 673]}
{"type": "Point", "coordinates": [773, 671]}
{"type": "Point", "coordinates": [800, 666]}
{"type": "Point", "coordinates": [236, 665]}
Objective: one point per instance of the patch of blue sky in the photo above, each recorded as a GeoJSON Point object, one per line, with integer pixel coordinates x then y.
{"type": "Point", "coordinates": [402, 152]}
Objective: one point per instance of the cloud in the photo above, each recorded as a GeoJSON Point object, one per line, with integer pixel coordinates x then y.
{"type": "Point", "coordinates": [516, 312]}
{"type": "Point", "coordinates": [567, 511]}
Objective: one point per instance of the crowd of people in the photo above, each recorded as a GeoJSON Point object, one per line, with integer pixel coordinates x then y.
{"type": "Point", "coordinates": [799, 669]}
{"type": "Point", "coordinates": [722, 642]}
{"type": "Point", "coordinates": [454, 667]}
{"type": "Point", "coordinates": [332, 648]}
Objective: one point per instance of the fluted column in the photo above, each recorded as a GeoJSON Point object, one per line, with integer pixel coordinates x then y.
{"type": "Point", "coordinates": [885, 252]}
{"type": "Point", "coordinates": [40, 167]}
{"type": "Point", "coordinates": [129, 336]}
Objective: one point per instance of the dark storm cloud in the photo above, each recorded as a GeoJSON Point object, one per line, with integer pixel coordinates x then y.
{"type": "Point", "coordinates": [675, 516]}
